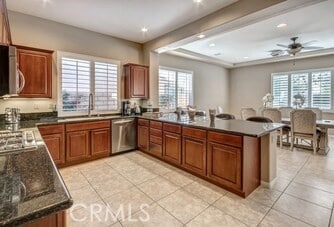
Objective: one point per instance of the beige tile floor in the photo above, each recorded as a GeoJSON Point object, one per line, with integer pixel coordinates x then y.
{"type": "Point", "coordinates": [303, 194]}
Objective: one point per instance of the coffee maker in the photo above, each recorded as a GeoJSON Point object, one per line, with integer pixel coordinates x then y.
{"type": "Point", "coordinates": [126, 108]}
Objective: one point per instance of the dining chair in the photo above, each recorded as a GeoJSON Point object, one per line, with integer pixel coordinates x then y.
{"type": "Point", "coordinates": [317, 111]}
{"type": "Point", "coordinates": [303, 126]}
{"type": "Point", "coordinates": [247, 113]}
{"type": "Point", "coordinates": [276, 116]}
{"type": "Point", "coordinates": [225, 116]}
{"type": "Point", "coordinates": [285, 111]}
{"type": "Point", "coordinates": [259, 119]}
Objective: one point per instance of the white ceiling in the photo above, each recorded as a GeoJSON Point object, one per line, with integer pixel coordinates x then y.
{"type": "Point", "coordinates": [121, 18]}
{"type": "Point", "coordinates": [315, 22]}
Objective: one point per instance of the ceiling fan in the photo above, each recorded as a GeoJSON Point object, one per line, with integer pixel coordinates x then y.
{"type": "Point", "coordinates": [294, 48]}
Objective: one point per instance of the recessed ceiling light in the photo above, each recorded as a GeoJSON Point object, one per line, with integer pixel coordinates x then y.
{"type": "Point", "coordinates": [212, 44]}
{"type": "Point", "coordinates": [197, 1]}
{"type": "Point", "coordinates": [217, 54]}
{"type": "Point", "coordinates": [144, 29]}
{"type": "Point", "coordinates": [201, 36]}
{"type": "Point", "coordinates": [282, 25]}
{"type": "Point", "coordinates": [246, 57]}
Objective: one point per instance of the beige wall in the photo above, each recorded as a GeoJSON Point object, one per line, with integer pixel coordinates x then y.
{"type": "Point", "coordinates": [36, 32]}
{"type": "Point", "coordinates": [249, 84]}
{"type": "Point", "coordinates": [211, 82]}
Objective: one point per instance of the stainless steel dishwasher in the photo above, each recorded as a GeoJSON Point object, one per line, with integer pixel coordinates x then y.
{"type": "Point", "coordinates": [123, 135]}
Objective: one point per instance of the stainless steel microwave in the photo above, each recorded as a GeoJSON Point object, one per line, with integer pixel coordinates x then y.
{"type": "Point", "coordinates": [11, 79]}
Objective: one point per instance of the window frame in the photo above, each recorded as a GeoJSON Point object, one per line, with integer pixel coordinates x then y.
{"type": "Point", "coordinates": [92, 60]}
{"type": "Point", "coordinates": [309, 72]}
{"type": "Point", "coordinates": [177, 71]}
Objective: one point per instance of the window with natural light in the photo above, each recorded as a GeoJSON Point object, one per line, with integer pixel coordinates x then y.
{"type": "Point", "coordinates": [175, 88]}
{"type": "Point", "coordinates": [81, 76]}
{"type": "Point", "coordinates": [314, 86]}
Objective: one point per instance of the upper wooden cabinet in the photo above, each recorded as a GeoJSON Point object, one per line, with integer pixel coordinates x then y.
{"type": "Point", "coordinates": [36, 66]}
{"type": "Point", "coordinates": [136, 81]}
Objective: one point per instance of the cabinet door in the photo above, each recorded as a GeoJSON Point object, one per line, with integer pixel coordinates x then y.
{"type": "Point", "coordinates": [56, 146]}
{"type": "Point", "coordinates": [100, 142]}
{"type": "Point", "coordinates": [53, 220]}
{"type": "Point", "coordinates": [36, 67]}
{"type": "Point", "coordinates": [77, 145]}
{"type": "Point", "coordinates": [172, 147]}
{"type": "Point", "coordinates": [143, 138]}
{"type": "Point", "coordinates": [224, 164]}
{"type": "Point", "coordinates": [139, 82]}
{"type": "Point", "coordinates": [194, 154]}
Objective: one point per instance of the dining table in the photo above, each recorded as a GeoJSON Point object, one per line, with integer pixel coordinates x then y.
{"type": "Point", "coordinates": [323, 125]}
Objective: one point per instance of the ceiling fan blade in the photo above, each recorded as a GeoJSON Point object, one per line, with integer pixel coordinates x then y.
{"type": "Point", "coordinates": [281, 45]}
{"type": "Point", "coordinates": [309, 43]}
{"type": "Point", "coordinates": [312, 48]}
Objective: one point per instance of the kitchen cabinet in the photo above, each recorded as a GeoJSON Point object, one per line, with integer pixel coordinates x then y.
{"type": "Point", "coordinates": [54, 138]}
{"type": "Point", "coordinates": [87, 140]}
{"type": "Point", "coordinates": [225, 159]}
{"type": "Point", "coordinates": [155, 140]}
{"type": "Point", "coordinates": [194, 150]}
{"type": "Point", "coordinates": [36, 66]}
{"type": "Point", "coordinates": [172, 143]}
{"type": "Point", "coordinates": [53, 220]}
{"type": "Point", "coordinates": [136, 81]}
{"type": "Point", "coordinates": [143, 135]}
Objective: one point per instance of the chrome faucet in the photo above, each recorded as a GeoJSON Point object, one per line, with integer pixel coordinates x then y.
{"type": "Point", "coordinates": [90, 105]}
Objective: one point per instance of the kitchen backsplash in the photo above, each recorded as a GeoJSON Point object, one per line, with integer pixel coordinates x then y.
{"type": "Point", "coordinates": [28, 105]}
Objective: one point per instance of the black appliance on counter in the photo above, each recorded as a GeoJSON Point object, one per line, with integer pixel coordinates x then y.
{"type": "Point", "coordinates": [126, 108]}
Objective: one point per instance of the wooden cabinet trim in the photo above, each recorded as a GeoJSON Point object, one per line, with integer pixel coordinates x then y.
{"type": "Point", "coordinates": [143, 122]}
{"type": "Point", "coordinates": [72, 127]}
{"type": "Point", "coordinates": [156, 124]}
{"type": "Point", "coordinates": [51, 129]}
{"type": "Point", "coordinates": [172, 128]}
{"type": "Point", "coordinates": [193, 132]}
{"type": "Point", "coordinates": [156, 132]}
{"type": "Point", "coordinates": [223, 138]}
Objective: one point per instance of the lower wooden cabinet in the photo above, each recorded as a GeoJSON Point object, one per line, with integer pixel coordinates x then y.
{"type": "Point", "coordinates": [143, 138]}
{"type": "Point", "coordinates": [77, 145]}
{"type": "Point", "coordinates": [172, 147]}
{"type": "Point", "coordinates": [100, 142]}
{"type": "Point", "coordinates": [224, 165]}
{"type": "Point", "coordinates": [54, 138]}
{"type": "Point", "coordinates": [194, 154]}
{"type": "Point", "coordinates": [56, 146]}
{"type": "Point", "coordinates": [54, 220]}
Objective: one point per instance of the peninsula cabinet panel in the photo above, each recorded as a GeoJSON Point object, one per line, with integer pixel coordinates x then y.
{"type": "Point", "coordinates": [100, 142]}
{"type": "Point", "coordinates": [56, 146]}
{"type": "Point", "coordinates": [172, 147]}
{"type": "Point", "coordinates": [143, 138]}
{"type": "Point", "coordinates": [36, 66]}
{"type": "Point", "coordinates": [136, 81]}
{"type": "Point", "coordinates": [194, 155]}
{"type": "Point", "coordinates": [53, 220]}
{"type": "Point", "coordinates": [224, 165]}
{"type": "Point", "coordinates": [77, 145]}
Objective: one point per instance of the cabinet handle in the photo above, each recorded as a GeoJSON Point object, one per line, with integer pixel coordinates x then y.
{"type": "Point", "coordinates": [23, 81]}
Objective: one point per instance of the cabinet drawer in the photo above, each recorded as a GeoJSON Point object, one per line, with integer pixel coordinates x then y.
{"type": "Point", "coordinates": [193, 132]}
{"type": "Point", "coordinates": [223, 138]}
{"type": "Point", "coordinates": [51, 129]}
{"type": "Point", "coordinates": [172, 128]}
{"type": "Point", "coordinates": [143, 122]}
{"type": "Point", "coordinates": [156, 149]}
{"type": "Point", "coordinates": [156, 139]}
{"type": "Point", "coordinates": [156, 124]}
{"type": "Point", "coordinates": [87, 125]}
{"type": "Point", "coordinates": [155, 132]}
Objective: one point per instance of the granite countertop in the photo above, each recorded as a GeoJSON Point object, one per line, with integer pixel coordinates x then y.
{"type": "Point", "coordinates": [235, 126]}
{"type": "Point", "coordinates": [34, 187]}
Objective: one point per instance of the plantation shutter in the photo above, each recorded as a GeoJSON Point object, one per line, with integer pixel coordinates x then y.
{"type": "Point", "coordinates": [167, 89]}
{"type": "Point", "coordinates": [300, 85]}
{"type": "Point", "coordinates": [280, 90]}
{"type": "Point", "coordinates": [184, 89]}
{"type": "Point", "coordinates": [321, 89]}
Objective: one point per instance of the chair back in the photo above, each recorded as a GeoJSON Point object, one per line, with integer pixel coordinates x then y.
{"type": "Point", "coordinates": [260, 119]}
{"type": "Point", "coordinates": [225, 116]}
{"type": "Point", "coordinates": [317, 111]}
{"type": "Point", "coordinates": [303, 121]}
{"type": "Point", "coordinates": [247, 113]}
{"type": "Point", "coordinates": [273, 114]}
{"type": "Point", "coordinates": [285, 111]}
